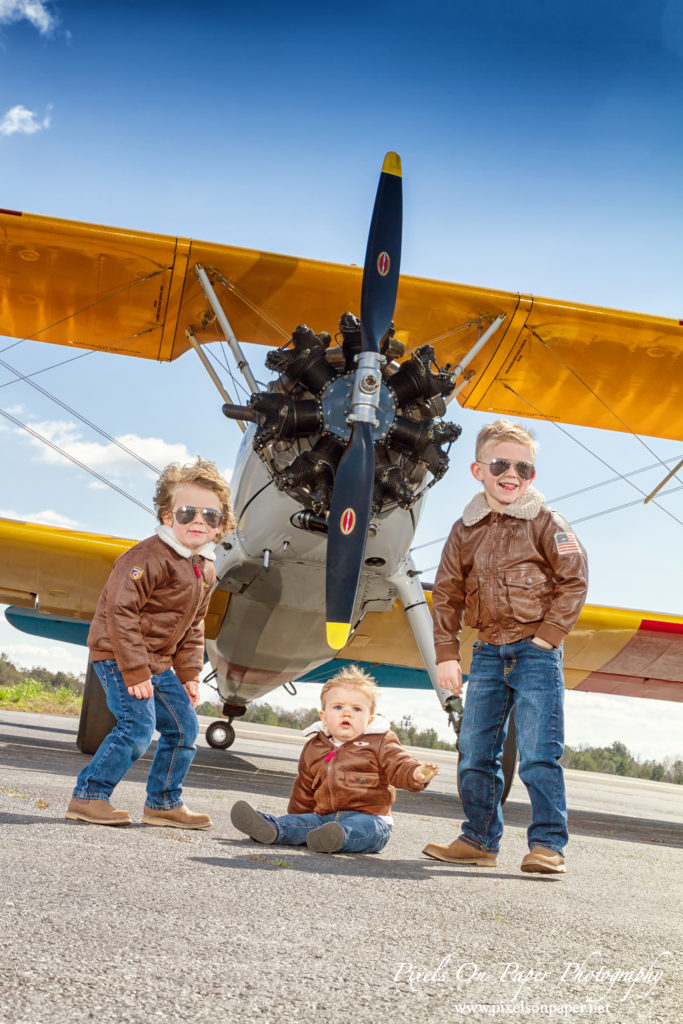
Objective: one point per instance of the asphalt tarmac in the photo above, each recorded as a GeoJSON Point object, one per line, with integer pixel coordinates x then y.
{"type": "Point", "coordinates": [139, 924]}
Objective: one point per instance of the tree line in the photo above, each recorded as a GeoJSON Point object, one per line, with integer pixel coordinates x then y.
{"type": "Point", "coordinates": [613, 760]}
{"type": "Point", "coordinates": [10, 676]}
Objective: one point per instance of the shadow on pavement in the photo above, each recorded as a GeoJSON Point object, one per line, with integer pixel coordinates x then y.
{"type": "Point", "coordinates": [222, 770]}
{"type": "Point", "coordinates": [351, 865]}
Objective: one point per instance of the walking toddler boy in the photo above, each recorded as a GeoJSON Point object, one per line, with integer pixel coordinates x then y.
{"type": "Point", "coordinates": [147, 646]}
{"type": "Point", "coordinates": [516, 570]}
{"type": "Point", "coordinates": [348, 770]}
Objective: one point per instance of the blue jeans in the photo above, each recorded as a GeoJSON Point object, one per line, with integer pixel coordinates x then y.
{"type": "Point", "coordinates": [530, 678]}
{"type": "Point", "coordinates": [170, 711]}
{"type": "Point", "coordinates": [363, 833]}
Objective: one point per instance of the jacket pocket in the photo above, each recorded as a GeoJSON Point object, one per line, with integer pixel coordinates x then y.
{"type": "Point", "coordinates": [472, 601]}
{"type": "Point", "coordinates": [360, 780]}
{"type": "Point", "coordinates": [529, 593]}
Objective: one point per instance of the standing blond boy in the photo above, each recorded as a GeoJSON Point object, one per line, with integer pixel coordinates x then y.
{"type": "Point", "coordinates": [512, 569]}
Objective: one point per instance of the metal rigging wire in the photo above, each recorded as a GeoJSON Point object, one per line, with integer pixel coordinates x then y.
{"type": "Point", "coordinates": [83, 419]}
{"type": "Point", "coordinates": [76, 462]}
{"type": "Point", "coordinates": [45, 440]}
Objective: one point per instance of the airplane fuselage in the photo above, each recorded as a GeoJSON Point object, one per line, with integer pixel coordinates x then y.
{"type": "Point", "coordinates": [274, 571]}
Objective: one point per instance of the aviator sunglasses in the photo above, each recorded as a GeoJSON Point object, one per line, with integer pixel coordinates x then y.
{"type": "Point", "coordinates": [187, 513]}
{"type": "Point", "coordinates": [524, 470]}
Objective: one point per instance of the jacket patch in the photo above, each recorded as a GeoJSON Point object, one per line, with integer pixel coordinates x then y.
{"type": "Point", "coordinates": [361, 743]}
{"type": "Point", "coordinates": [136, 572]}
{"type": "Point", "coordinates": [567, 544]}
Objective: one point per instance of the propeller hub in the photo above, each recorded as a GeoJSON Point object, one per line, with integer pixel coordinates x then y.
{"type": "Point", "coordinates": [338, 413]}
{"type": "Point", "coordinates": [366, 388]}
{"type": "Point", "coordinates": [369, 383]}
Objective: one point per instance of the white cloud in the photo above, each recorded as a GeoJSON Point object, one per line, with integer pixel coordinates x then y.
{"type": "Point", "coordinates": [20, 121]}
{"type": "Point", "coordinates": [46, 654]}
{"type": "Point", "coordinates": [107, 458]}
{"type": "Point", "coordinates": [48, 517]}
{"type": "Point", "coordinates": [35, 11]}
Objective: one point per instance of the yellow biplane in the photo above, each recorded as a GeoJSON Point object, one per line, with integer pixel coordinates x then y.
{"type": "Point", "coordinates": [158, 297]}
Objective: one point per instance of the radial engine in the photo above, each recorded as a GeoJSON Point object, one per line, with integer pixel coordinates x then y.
{"type": "Point", "coordinates": [304, 418]}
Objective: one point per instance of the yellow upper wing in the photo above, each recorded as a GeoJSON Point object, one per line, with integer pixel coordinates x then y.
{"type": "Point", "coordinates": [135, 293]}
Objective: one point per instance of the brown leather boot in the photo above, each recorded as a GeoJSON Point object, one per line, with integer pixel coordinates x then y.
{"type": "Point", "coordinates": [97, 812]}
{"type": "Point", "coordinates": [177, 817]}
{"type": "Point", "coordinates": [459, 852]}
{"type": "Point", "coordinates": [543, 861]}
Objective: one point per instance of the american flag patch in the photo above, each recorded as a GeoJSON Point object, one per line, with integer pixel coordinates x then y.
{"type": "Point", "coordinates": [566, 543]}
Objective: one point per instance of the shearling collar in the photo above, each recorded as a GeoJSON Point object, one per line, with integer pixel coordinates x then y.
{"type": "Point", "coordinates": [166, 534]}
{"type": "Point", "coordinates": [526, 507]}
{"type": "Point", "coordinates": [377, 725]}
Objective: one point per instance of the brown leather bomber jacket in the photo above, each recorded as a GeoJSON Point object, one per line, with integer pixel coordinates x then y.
{"type": "Point", "coordinates": [150, 615]}
{"type": "Point", "coordinates": [359, 775]}
{"type": "Point", "coordinates": [510, 575]}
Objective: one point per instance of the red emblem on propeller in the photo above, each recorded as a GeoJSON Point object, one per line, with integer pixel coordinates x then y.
{"type": "Point", "coordinates": [348, 521]}
{"type": "Point", "coordinates": [383, 263]}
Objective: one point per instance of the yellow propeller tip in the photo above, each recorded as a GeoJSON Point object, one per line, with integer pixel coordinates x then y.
{"type": "Point", "coordinates": [338, 634]}
{"type": "Point", "coordinates": [392, 164]}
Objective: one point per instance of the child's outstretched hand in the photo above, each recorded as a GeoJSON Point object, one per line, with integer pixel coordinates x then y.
{"type": "Point", "coordinates": [425, 772]}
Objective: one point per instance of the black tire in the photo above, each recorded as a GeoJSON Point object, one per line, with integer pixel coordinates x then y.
{"type": "Point", "coordinates": [509, 757]}
{"type": "Point", "coordinates": [96, 719]}
{"type": "Point", "coordinates": [220, 735]}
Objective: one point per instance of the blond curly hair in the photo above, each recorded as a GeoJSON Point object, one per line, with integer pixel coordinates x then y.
{"type": "Point", "coordinates": [354, 678]}
{"type": "Point", "coordinates": [201, 473]}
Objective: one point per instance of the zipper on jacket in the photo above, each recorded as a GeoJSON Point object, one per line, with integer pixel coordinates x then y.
{"type": "Point", "coordinates": [198, 594]}
{"type": "Point", "coordinates": [491, 564]}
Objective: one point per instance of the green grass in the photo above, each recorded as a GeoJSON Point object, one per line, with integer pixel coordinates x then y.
{"type": "Point", "coordinates": [31, 695]}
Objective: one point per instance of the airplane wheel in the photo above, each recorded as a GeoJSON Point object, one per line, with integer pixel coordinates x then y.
{"type": "Point", "coordinates": [220, 735]}
{"type": "Point", "coordinates": [509, 757]}
{"type": "Point", "coordinates": [96, 719]}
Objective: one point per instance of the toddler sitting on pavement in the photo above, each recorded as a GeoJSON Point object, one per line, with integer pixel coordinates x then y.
{"type": "Point", "coordinates": [348, 770]}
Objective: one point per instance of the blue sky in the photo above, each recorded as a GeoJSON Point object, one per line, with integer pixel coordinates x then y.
{"type": "Point", "coordinates": [541, 146]}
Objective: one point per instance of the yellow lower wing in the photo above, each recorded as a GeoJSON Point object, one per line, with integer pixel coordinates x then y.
{"type": "Point", "coordinates": [62, 572]}
{"type": "Point", "coordinates": [610, 650]}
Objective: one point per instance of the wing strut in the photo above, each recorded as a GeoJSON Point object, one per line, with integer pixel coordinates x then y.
{"type": "Point", "coordinates": [229, 335]}
{"type": "Point", "coordinates": [469, 356]}
{"type": "Point", "coordinates": [212, 299]}
{"type": "Point", "coordinates": [189, 334]}
{"type": "Point", "coordinates": [664, 481]}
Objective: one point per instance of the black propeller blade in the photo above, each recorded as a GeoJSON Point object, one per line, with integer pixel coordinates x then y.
{"type": "Point", "coordinates": [352, 494]}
